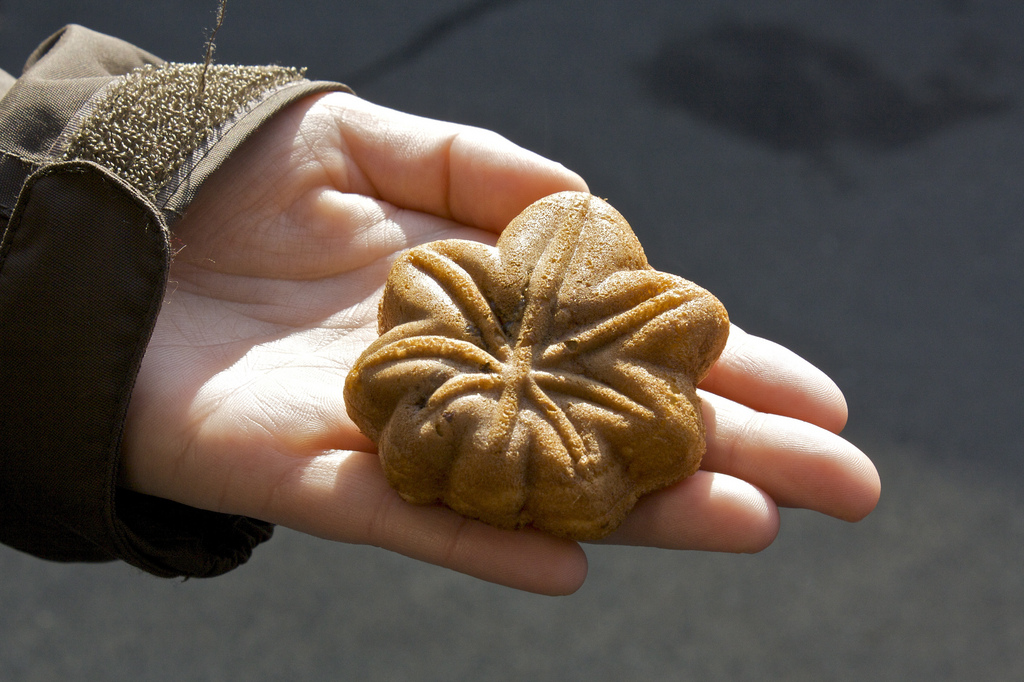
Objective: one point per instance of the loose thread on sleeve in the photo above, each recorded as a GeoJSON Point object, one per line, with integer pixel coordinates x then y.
{"type": "Point", "coordinates": [210, 48]}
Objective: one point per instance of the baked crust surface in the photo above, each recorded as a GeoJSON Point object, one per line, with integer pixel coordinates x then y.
{"type": "Point", "coordinates": [546, 381]}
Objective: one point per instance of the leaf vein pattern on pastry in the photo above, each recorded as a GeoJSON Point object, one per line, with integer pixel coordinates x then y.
{"type": "Point", "coordinates": [557, 359]}
{"type": "Point", "coordinates": [526, 371]}
{"type": "Point", "coordinates": [466, 295]}
{"type": "Point", "coordinates": [616, 327]}
{"type": "Point", "coordinates": [432, 348]}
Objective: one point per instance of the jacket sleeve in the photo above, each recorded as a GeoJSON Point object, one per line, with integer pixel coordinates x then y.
{"type": "Point", "coordinates": [102, 147]}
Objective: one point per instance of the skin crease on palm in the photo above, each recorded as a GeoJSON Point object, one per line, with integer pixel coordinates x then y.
{"type": "Point", "coordinates": [272, 295]}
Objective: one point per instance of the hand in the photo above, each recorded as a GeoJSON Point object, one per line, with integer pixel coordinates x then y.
{"type": "Point", "coordinates": [272, 296]}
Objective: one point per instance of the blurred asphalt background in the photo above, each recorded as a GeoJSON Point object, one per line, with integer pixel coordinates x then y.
{"type": "Point", "coordinates": [847, 177]}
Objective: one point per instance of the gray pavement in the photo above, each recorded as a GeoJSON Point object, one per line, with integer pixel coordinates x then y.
{"type": "Point", "coordinates": [847, 177]}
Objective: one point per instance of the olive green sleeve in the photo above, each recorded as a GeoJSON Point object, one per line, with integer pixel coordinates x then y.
{"type": "Point", "coordinates": [102, 147]}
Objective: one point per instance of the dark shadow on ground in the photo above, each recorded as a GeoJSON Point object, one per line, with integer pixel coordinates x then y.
{"type": "Point", "coordinates": [797, 92]}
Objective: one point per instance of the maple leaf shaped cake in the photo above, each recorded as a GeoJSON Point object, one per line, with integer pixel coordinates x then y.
{"type": "Point", "coordinates": [547, 381]}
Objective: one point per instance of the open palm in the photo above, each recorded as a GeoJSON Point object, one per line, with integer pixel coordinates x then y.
{"type": "Point", "coordinates": [273, 294]}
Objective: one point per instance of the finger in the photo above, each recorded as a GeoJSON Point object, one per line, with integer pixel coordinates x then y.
{"type": "Point", "coordinates": [343, 496]}
{"type": "Point", "coordinates": [707, 511]}
{"type": "Point", "coordinates": [768, 377]}
{"type": "Point", "coordinates": [797, 463]}
{"type": "Point", "coordinates": [351, 231]}
{"type": "Point", "coordinates": [470, 175]}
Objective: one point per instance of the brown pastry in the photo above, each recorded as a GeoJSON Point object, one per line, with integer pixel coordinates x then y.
{"type": "Point", "coordinates": [547, 381]}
